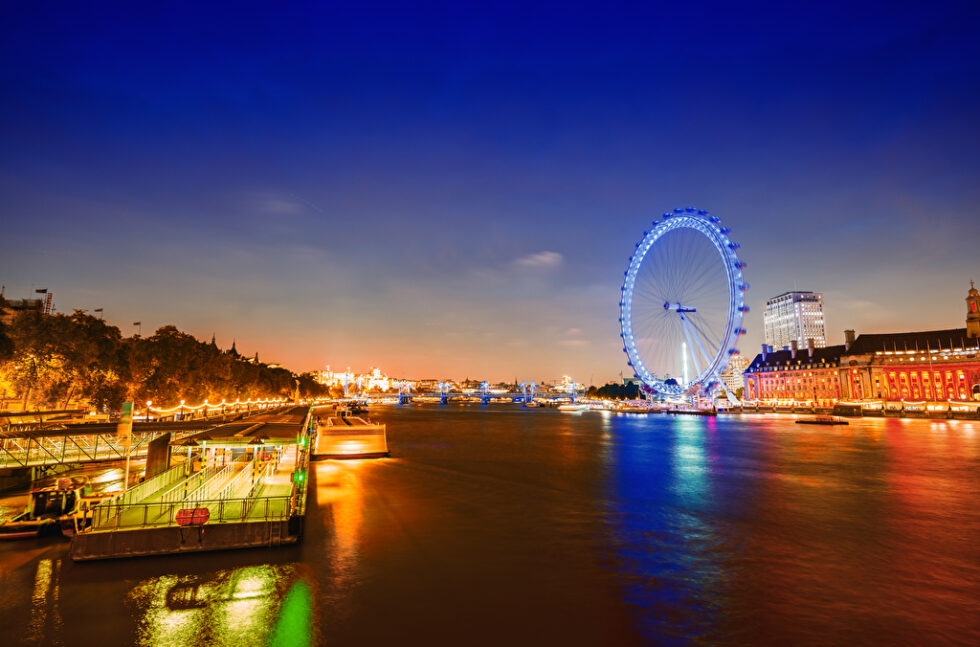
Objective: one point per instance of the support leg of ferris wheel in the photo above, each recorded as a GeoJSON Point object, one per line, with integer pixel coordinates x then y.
{"type": "Point", "coordinates": [694, 354]}
{"type": "Point", "coordinates": [685, 323]}
{"type": "Point", "coordinates": [717, 377]}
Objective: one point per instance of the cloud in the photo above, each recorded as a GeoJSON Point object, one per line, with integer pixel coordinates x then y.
{"type": "Point", "coordinates": [277, 204]}
{"type": "Point", "coordinates": [539, 260]}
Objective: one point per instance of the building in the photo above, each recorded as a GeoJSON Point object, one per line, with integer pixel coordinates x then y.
{"type": "Point", "coordinates": [795, 316]}
{"type": "Point", "coordinates": [334, 378]}
{"type": "Point", "coordinates": [933, 366]}
{"type": "Point", "coordinates": [732, 376]}
{"type": "Point", "coordinates": [9, 308]}
{"type": "Point", "coordinates": [794, 374]}
{"type": "Point", "coordinates": [375, 380]}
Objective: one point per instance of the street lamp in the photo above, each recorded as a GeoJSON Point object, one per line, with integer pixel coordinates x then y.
{"type": "Point", "coordinates": [181, 409]}
{"type": "Point", "coordinates": [148, 403]}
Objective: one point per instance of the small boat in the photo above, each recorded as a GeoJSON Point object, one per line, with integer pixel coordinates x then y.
{"type": "Point", "coordinates": [822, 420]}
{"type": "Point", "coordinates": [358, 407]}
{"type": "Point", "coordinates": [57, 508]}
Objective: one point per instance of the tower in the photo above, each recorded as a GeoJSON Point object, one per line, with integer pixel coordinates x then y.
{"type": "Point", "coordinates": [973, 312]}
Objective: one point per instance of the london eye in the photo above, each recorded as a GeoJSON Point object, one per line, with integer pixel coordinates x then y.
{"type": "Point", "coordinates": [682, 304]}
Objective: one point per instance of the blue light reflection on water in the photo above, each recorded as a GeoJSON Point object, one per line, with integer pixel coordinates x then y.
{"type": "Point", "coordinates": [666, 518]}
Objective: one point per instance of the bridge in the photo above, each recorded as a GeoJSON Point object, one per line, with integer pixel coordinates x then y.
{"type": "Point", "coordinates": [72, 443]}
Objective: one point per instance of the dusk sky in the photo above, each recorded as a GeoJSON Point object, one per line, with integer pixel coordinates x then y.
{"type": "Point", "coordinates": [454, 191]}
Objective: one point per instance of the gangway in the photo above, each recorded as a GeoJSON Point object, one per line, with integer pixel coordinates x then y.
{"type": "Point", "coordinates": [257, 498]}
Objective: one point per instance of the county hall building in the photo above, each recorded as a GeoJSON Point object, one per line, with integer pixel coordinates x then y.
{"type": "Point", "coordinates": [914, 368]}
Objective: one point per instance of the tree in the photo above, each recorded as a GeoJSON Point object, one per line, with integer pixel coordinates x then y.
{"type": "Point", "coordinates": [51, 359]}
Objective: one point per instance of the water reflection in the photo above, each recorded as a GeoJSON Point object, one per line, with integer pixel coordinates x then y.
{"type": "Point", "coordinates": [775, 534]}
{"type": "Point", "coordinates": [340, 492]}
{"type": "Point", "coordinates": [228, 607]}
{"type": "Point", "coordinates": [499, 526]}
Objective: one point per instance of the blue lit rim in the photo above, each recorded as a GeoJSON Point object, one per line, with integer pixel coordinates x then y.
{"type": "Point", "coordinates": [709, 226]}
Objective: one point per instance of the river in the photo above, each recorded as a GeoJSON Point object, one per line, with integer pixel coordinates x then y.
{"type": "Point", "coordinates": [498, 525]}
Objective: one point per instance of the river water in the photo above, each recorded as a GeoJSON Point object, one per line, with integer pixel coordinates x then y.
{"type": "Point", "coordinates": [498, 525]}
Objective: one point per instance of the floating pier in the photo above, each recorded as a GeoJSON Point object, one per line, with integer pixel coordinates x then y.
{"type": "Point", "coordinates": [343, 436]}
{"type": "Point", "coordinates": [237, 485]}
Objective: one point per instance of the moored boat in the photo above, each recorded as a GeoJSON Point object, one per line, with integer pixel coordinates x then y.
{"type": "Point", "coordinates": [63, 507]}
{"type": "Point", "coordinates": [822, 420]}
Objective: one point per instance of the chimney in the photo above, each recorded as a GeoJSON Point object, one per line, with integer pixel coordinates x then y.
{"type": "Point", "coordinates": [765, 351]}
{"type": "Point", "coordinates": [793, 347]}
{"type": "Point", "coordinates": [848, 339]}
{"type": "Point", "coordinates": [811, 345]}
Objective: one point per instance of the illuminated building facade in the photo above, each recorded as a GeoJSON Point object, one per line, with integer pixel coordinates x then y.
{"type": "Point", "coordinates": [937, 366]}
{"type": "Point", "coordinates": [732, 375]}
{"type": "Point", "coordinates": [373, 380]}
{"type": "Point", "coordinates": [795, 316]}
{"type": "Point", "coordinates": [810, 373]}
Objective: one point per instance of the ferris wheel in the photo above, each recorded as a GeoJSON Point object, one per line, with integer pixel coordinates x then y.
{"type": "Point", "coordinates": [682, 304]}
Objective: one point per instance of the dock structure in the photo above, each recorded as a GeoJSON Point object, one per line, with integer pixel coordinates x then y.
{"type": "Point", "coordinates": [73, 443]}
{"type": "Point", "coordinates": [344, 436]}
{"type": "Point", "coordinates": [236, 485]}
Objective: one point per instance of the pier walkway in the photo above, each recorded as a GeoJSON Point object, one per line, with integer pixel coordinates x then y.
{"type": "Point", "coordinates": [248, 476]}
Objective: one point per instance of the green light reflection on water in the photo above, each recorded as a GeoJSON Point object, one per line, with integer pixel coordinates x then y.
{"type": "Point", "coordinates": [295, 623]}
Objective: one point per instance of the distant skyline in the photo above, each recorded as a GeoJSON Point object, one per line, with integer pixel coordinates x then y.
{"type": "Point", "coordinates": [454, 191]}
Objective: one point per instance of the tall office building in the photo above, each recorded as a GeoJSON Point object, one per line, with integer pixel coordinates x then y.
{"type": "Point", "coordinates": [795, 316]}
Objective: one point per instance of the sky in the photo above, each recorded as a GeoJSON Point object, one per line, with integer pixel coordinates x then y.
{"type": "Point", "coordinates": [454, 189]}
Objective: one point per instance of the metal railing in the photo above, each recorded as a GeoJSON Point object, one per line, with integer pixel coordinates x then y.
{"type": "Point", "coordinates": [149, 486]}
{"type": "Point", "coordinates": [183, 488]}
{"type": "Point", "coordinates": [245, 475]}
{"type": "Point", "coordinates": [211, 487]}
{"type": "Point", "coordinates": [159, 515]}
{"type": "Point", "coordinates": [54, 450]}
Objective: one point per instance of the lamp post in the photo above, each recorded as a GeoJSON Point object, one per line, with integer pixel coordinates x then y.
{"type": "Point", "coordinates": [148, 403]}
{"type": "Point", "coordinates": [181, 409]}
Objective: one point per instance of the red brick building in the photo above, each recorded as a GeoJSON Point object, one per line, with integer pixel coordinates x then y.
{"type": "Point", "coordinates": [935, 366]}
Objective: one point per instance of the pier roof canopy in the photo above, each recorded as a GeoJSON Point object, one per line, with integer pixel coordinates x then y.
{"type": "Point", "coordinates": [282, 428]}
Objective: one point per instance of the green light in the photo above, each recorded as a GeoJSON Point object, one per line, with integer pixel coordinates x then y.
{"type": "Point", "coordinates": [294, 626]}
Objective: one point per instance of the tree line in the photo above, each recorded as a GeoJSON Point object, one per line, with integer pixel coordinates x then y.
{"type": "Point", "coordinates": [615, 391]}
{"type": "Point", "coordinates": [49, 361]}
